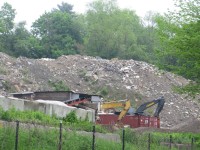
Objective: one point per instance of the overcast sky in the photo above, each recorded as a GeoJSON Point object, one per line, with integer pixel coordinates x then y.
{"type": "Point", "coordinates": [30, 10]}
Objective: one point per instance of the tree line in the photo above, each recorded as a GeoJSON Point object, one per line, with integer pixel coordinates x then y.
{"type": "Point", "coordinates": [170, 41]}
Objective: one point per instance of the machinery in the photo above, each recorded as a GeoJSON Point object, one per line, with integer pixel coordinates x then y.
{"type": "Point", "coordinates": [137, 119]}
{"type": "Point", "coordinates": [125, 104]}
{"type": "Point", "coordinates": [160, 103]}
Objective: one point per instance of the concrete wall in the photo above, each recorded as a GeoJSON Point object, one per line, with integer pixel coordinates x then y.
{"type": "Point", "coordinates": [47, 108]}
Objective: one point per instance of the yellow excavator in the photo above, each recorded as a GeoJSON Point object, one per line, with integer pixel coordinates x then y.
{"type": "Point", "coordinates": [125, 104]}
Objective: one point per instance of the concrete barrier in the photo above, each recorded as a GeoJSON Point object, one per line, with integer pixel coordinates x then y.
{"type": "Point", "coordinates": [48, 108]}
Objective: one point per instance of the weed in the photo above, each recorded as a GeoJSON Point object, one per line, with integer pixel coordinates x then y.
{"type": "Point", "coordinates": [71, 117]}
{"type": "Point", "coordinates": [3, 71]}
{"type": "Point", "coordinates": [82, 73]}
{"type": "Point", "coordinates": [104, 91]}
{"type": "Point", "coordinates": [70, 120]}
{"type": "Point", "coordinates": [59, 86]}
{"type": "Point", "coordinates": [24, 72]}
{"type": "Point", "coordinates": [27, 81]}
{"type": "Point", "coordinates": [8, 86]}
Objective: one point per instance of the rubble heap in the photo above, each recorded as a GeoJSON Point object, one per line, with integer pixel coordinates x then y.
{"type": "Point", "coordinates": [114, 79]}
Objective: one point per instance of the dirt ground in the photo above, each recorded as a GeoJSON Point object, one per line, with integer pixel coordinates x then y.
{"type": "Point", "coordinates": [190, 126]}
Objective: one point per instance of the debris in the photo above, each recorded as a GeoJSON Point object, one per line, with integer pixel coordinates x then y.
{"type": "Point", "coordinates": [118, 79]}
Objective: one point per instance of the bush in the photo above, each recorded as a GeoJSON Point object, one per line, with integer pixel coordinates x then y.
{"type": "Point", "coordinates": [71, 117]}
{"type": "Point", "coordinates": [59, 86]}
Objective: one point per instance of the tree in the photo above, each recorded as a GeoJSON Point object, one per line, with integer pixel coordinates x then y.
{"type": "Point", "coordinates": [112, 32]}
{"type": "Point", "coordinates": [148, 37]}
{"type": "Point", "coordinates": [7, 15]}
{"type": "Point", "coordinates": [24, 44]}
{"type": "Point", "coordinates": [180, 34]}
{"type": "Point", "coordinates": [58, 32]}
{"type": "Point", "coordinates": [65, 7]}
{"type": "Point", "coordinates": [187, 11]}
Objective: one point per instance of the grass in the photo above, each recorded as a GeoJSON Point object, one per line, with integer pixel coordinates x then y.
{"type": "Point", "coordinates": [141, 139]}
{"type": "Point", "coordinates": [179, 138]}
{"type": "Point", "coordinates": [70, 121]}
{"type": "Point", "coordinates": [3, 71]}
{"type": "Point", "coordinates": [8, 86]}
{"type": "Point", "coordinates": [59, 86]}
{"type": "Point", "coordinates": [46, 136]}
{"type": "Point", "coordinates": [37, 138]}
{"type": "Point", "coordinates": [40, 139]}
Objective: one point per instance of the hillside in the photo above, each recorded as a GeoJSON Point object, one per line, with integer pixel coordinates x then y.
{"type": "Point", "coordinates": [114, 79]}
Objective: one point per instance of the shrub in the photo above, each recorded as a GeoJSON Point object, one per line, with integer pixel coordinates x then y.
{"type": "Point", "coordinates": [59, 86]}
{"type": "Point", "coordinates": [71, 117]}
{"type": "Point", "coordinates": [104, 91]}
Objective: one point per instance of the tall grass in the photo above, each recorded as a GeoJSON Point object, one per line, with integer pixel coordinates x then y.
{"type": "Point", "coordinates": [48, 139]}
{"type": "Point", "coordinates": [46, 136]}
{"type": "Point", "coordinates": [70, 121]}
{"type": "Point", "coordinates": [156, 138]}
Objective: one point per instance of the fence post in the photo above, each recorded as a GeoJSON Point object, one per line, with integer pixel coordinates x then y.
{"type": "Point", "coordinates": [170, 142]}
{"type": "Point", "coordinates": [149, 141]}
{"type": "Point", "coordinates": [192, 144]}
{"type": "Point", "coordinates": [123, 139]}
{"type": "Point", "coordinates": [93, 139]}
{"type": "Point", "coordinates": [17, 135]}
{"type": "Point", "coordinates": [60, 137]}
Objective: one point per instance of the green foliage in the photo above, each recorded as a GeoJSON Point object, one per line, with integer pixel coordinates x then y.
{"type": "Point", "coordinates": [70, 120]}
{"type": "Point", "coordinates": [104, 31]}
{"type": "Point", "coordinates": [191, 89]}
{"type": "Point", "coordinates": [27, 116]}
{"type": "Point", "coordinates": [3, 70]}
{"type": "Point", "coordinates": [176, 138]}
{"type": "Point", "coordinates": [111, 32]}
{"type": "Point", "coordinates": [44, 138]}
{"type": "Point", "coordinates": [59, 86]}
{"type": "Point", "coordinates": [7, 16]}
{"type": "Point", "coordinates": [57, 32]}
{"type": "Point", "coordinates": [22, 45]}
{"type": "Point", "coordinates": [140, 139]}
{"type": "Point", "coordinates": [180, 33]}
{"type": "Point", "coordinates": [104, 91]}
{"type": "Point", "coordinates": [7, 85]}
{"type": "Point", "coordinates": [71, 117]}
{"type": "Point", "coordinates": [7, 136]}
{"type": "Point", "coordinates": [186, 11]}
{"type": "Point", "coordinates": [82, 73]}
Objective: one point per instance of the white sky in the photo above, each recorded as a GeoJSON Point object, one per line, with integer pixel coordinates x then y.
{"type": "Point", "coordinates": [30, 10]}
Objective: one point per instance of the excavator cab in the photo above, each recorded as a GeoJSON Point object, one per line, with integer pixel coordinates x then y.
{"type": "Point", "coordinates": [160, 104]}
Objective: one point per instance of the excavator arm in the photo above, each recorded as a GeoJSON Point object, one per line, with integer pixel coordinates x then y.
{"type": "Point", "coordinates": [118, 104]}
{"type": "Point", "coordinates": [159, 101]}
{"type": "Point", "coordinates": [125, 110]}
